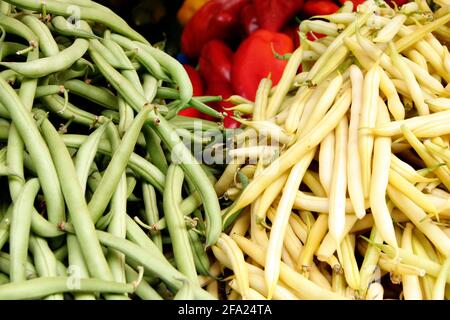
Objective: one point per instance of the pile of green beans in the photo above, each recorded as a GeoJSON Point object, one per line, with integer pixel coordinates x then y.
{"type": "Point", "coordinates": [95, 175]}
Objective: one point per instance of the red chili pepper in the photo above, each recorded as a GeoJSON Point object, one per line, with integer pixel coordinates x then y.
{"type": "Point", "coordinates": [255, 59]}
{"type": "Point", "coordinates": [249, 19]}
{"type": "Point", "coordinates": [321, 7]}
{"type": "Point", "coordinates": [215, 62]}
{"type": "Point", "coordinates": [197, 85]}
{"type": "Point", "coordinates": [217, 19]}
{"type": "Point", "coordinates": [273, 15]}
{"type": "Point", "coordinates": [225, 90]}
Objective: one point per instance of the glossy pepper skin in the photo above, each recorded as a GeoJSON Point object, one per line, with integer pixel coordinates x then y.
{"type": "Point", "coordinates": [273, 15]}
{"type": "Point", "coordinates": [321, 7]}
{"type": "Point", "coordinates": [197, 84]}
{"type": "Point", "coordinates": [217, 19]}
{"type": "Point", "coordinates": [249, 19]}
{"type": "Point", "coordinates": [215, 62]}
{"type": "Point", "coordinates": [255, 59]}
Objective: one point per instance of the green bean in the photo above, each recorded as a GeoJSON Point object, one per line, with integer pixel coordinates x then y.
{"type": "Point", "coordinates": [114, 116]}
{"type": "Point", "coordinates": [10, 48]}
{"type": "Point", "coordinates": [151, 211]}
{"type": "Point", "coordinates": [126, 115]}
{"type": "Point", "coordinates": [45, 286]}
{"type": "Point", "coordinates": [97, 13]}
{"type": "Point", "coordinates": [77, 265]}
{"type": "Point", "coordinates": [173, 94]}
{"type": "Point", "coordinates": [20, 229]}
{"type": "Point", "coordinates": [197, 176]}
{"type": "Point", "coordinates": [43, 228]}
{"type": "Point", "coordinates": [98, 95]}
{"type": "Point", "coordinates": [44, 260]}
{"type": "Point", "coordinates": [176, 70]}
{"type": "Point", "coordinates": [99, 47]}
{"type": "Point", "coordinates": [4, 279]}
{"type": "Point", "coordinates": [154, 149]}
{"type": "Point", "coordinates": [48, 90]}
{"type": "Point", "coordinates": [5, 223]}
{"type": "Point", "coordinates": [5, 8]}
{"type": "Point", "coordinates": [66, 28]}
{"type": "Point", "coordinates": [47, 44]}
{"type": "Point", "coordinates": [198, 105]}
{"type": "Point", "coordinates": [150, 86]}
{"type": "Point", "coordinates": [38, 150]}
{"type": "Point", "coordinates": [138, 164]}
{"type": "Point", "coordinates": [61, 253]}
{"type": "Point", "coordinates": [185, 292]}
{"type": "Point", "coordinates": [169, 275]}
{"type": "Point", "coordinates": [146, 59]}
{"type": "Point", "coordinates": [69, 74]}
{"type": "Point", "coordinates": [68, 111]}
{"type": "Point", "coordinates": [15, 155]}
{"type": "Point", "coordinates": [201, 259]}
{"type": "Point", "coordinates": [176, 224]}
{"type": "Point", "coordinates": [5, 264]}
{"type": "Point", "coordinates": [118, 81]}
{"type": "Point", "coordinates": [116, 167]}
{"type": "Point", "coordinates": [117, 52]}
{"type": "Point", "coordinates": [194, 124]}
{"type": "Point", "coordinates": [143, 290]}
{"type": "Point", "coordinates": [76, 203]}
{"type": "Point", "coordinates": [14, 26]}
{"type": "Point", "coordinates": [4, 129]}
{"type": "Point", "coordinates": [45, 66]}
{"type": "Point", "coordinates": [137, 236]}
{"type": "Point", "coordinates": [117, 224]}
{"type": "Point", "coordinates": [86, 154]}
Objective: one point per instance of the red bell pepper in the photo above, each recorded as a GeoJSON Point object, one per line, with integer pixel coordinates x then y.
{"type": "Point", "coordinates": [255, 59]}
{"type": "Point", "coordinates": [249, 19]}
{"type": "Point", "coordinates": [217, 19]}
{"type": "Point", "coordinates": [225, 90]}
{"type": "Point", "coordinates": [273, 15]}
{"type": "Point", "coordinates": [215, 62]}
{"type": "Point", "coordinates": [321, 7]}
{"type": "Point", "coordinates": [197, 85]}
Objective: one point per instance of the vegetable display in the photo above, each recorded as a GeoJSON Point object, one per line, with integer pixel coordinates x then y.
{"type": "Point", "coordinates": [301, 150]}
{"type": "Point", "coordinates": [94, 155]}
{"type": "Point", "coordinates": [342, 180]}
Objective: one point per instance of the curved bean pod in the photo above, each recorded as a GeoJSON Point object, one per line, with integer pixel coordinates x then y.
{"type": "Point", "coordinates": [97, 13]}
{"type": "Point", "coordinates": [195, 174]}
{"type": "Point", "coordinates": [47, 44]}
{"type": "Point", "coordinates": [14, 26]}
{"type": "Point", "coordinates": [116, 167]}
{"type": "Point", "coordinates": [168, 274]}
{"type": "Point", "coordinates": [45, 66]}
{"type": "Point", "coordinates": [20, 229]}
{"type": "Point", "coordinates": [76, 202]}
{"type": "Point", "coordinates": [138, 164]}
{"type": "Point", "coordinates": [38, 150]}
{"type": "Point", "coordinates": [92, 93]}
{"type": "Point", "coordinates": [44, 261]}
{"type": "Point", "coordinates": [44, 286]}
